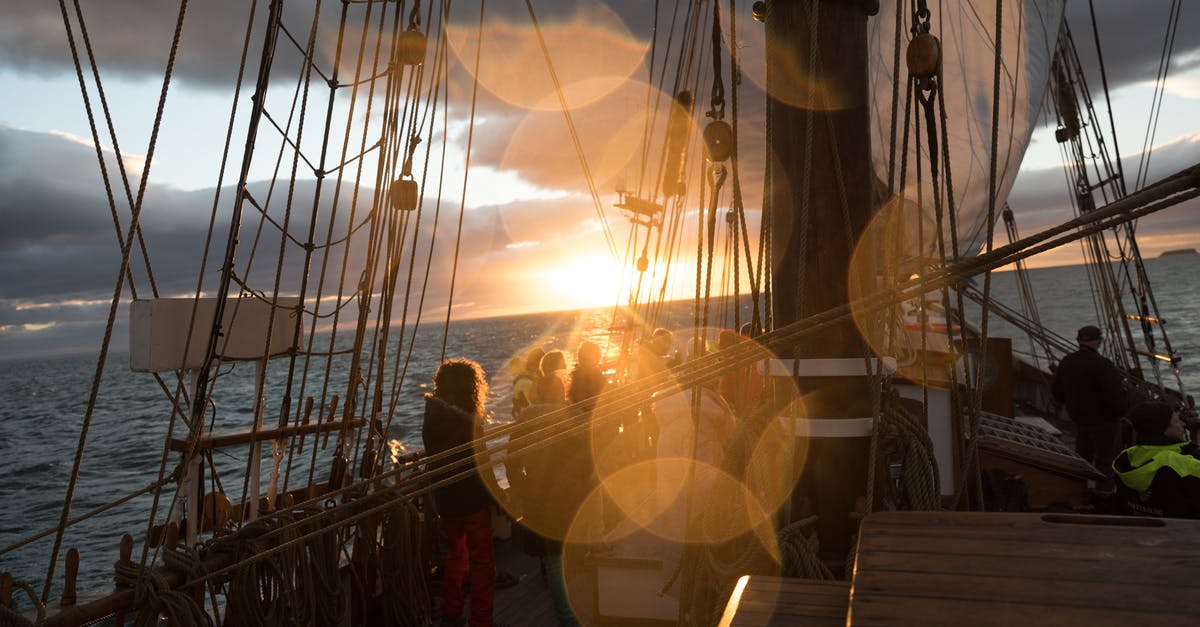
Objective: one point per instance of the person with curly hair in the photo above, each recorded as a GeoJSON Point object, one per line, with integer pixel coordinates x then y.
{"type": "Point", "coordinates": [455, 416]}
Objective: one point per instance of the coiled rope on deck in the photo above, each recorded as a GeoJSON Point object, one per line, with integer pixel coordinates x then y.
{"type": "Point", "coordinates": [154, 598]}
{"type": "Point", "coordinates": [401, 568]}
{"type": "Point", "coordinates": [274, 590]}
{"type": "Point", "coordinates": [301, 584]}
{"type": "Point", "coordinates": [902, 437]}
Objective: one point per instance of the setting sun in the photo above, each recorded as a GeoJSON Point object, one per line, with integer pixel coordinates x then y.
{"type": "Point", "coordinates": [589, 281]}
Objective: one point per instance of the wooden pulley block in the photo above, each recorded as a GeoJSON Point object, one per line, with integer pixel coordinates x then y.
{"type": "Point", "coordinates": [337, 472]}
{"type": "Point", "coordinates": [924, 56]}
{"type": "Point", "coordinates": [410, 47]}
{"type": "Point", "coordinates": [217, 510]}
{"type": "Point", "coordinates": [403, 194]}
{"type": "Point", "coordinates": [758, 11]}
{"type": "Point", "coordinates": [718, 140]}
{"type": "Point", "coordinates": [642, 263]}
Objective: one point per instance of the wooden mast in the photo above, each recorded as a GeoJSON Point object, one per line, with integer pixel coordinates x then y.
{"type": "Point", "coordinates": [811, 253]}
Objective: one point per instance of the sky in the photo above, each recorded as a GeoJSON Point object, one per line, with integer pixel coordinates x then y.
{"type": "Point", "coordinates": [534, 240]}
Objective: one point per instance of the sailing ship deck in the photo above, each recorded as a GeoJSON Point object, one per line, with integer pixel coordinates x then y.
{"type": "Point", "coordinates": [996, 569]}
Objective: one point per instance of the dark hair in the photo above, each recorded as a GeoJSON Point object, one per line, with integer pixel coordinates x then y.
{"type": "Point", "coordinates": [553, 360]}
{"type": "Point", "coordinates": [462, 383]}
{"type": "Point", "coordinates": [588, 352]}
{"type": "Point", "coordinates": [1150, 420]}
{"type": "Point", "coordinates": [533, 362]}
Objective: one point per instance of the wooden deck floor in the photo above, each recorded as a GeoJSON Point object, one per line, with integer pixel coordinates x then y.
{"type": "Point", "coordinates": [528, 604]}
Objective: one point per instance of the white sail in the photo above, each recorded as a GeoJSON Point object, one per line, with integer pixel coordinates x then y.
{"type": "Point", "coordinates": [966, 30]}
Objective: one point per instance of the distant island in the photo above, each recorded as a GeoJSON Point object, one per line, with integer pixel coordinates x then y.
{"type": "Point", "coordinates": [1179, 251]}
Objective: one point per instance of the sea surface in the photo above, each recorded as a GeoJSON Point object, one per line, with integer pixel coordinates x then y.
{"type": "Point", "coordinates": [43, 403]}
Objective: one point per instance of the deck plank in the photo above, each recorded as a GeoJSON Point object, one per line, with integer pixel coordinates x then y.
{"type": "Point", "coordinates": [1005, 569]}
{"type": "Point", "coordinates": [778, 601]}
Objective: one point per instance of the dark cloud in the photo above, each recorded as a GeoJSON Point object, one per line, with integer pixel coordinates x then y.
{"type": "Point", "coordinates": [59, 245]}
{"type": "Point", "coordinates": [1040, 199]}
{"type": "Point", "coordinates": [1132, 35]}
{"type": "Point", "coordinates": [40, 206]}
{"type": "Point", "coordinates": [132, 38]}
{"type": "Point", "coordinates": [59, 256]}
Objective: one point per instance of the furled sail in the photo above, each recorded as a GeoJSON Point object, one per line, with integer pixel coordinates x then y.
{"type": "Point", "coordinates": [967, 32]}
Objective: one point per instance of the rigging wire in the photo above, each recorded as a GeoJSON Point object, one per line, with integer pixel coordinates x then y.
{"type": "Point", "coordinates": [1112, 124]}
{"type": "Point", "coordinates": [575, 140]}
{"type": "Point", "coordinates": [462, 204]}
{"type": "Point", "coordinates": [1174, 189]}
{"type": "Point", "coordinates": [362, 293]}
{"type": "Point", "coordinates": [1160, 82]}
{"type": "Point", "coordinates": [621, 398]}
{"type": "Point", "coordinates": [126, 245]}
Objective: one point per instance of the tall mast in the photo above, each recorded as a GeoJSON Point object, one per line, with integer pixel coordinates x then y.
{"type": "Point", "coordinates": [819, 173]}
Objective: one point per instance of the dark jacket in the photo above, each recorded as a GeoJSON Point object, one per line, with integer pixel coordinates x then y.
{"type": "Point", "coordinates": [587, 382]}
{"type": "Point", "coordinates": [1166, 477]}
{"type": "Point", "coordinates": [446, 427]}
{"type": "Point", "coordinates": [1090, 386]}
{"type": "Point", "coordinates": [551, 481]}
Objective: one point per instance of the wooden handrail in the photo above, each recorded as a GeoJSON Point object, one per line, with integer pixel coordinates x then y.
{"type": "Point", "coordinates": [211, 440]}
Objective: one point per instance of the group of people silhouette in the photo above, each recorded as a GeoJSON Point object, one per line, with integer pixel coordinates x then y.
{"type": "Point", "coordinates": [1159, 474]}
{"type": "Point", "coordinates": [555, 451]}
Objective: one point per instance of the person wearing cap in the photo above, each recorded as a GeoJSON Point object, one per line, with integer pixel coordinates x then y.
{"type": "Point", "coordinates": [1162, 466]}
{"type": "Point", "coordinates": [1089, 385]}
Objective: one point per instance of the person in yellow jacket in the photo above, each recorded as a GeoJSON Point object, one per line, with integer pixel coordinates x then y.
{"type": "Point", "coordinates": [1163, 466]}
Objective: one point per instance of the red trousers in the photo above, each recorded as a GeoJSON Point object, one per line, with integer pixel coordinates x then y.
{"type": "Point", "coordinates": [469, 540]}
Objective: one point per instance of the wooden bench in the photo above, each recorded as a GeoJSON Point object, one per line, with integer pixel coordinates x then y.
{"type": "Point", "coordinates": [763, 600]}
{"type": "Point", "coordinates": [958, 568]}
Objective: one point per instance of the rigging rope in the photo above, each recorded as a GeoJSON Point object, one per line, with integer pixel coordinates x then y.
{"type": "Point", "coordinates": [1181, 186]}
{"type": "Point", "coordinates": [1164, 64]}
{"type": "Point", "coordinates": [401, 568]}
{"type": "Point", "coordinates": [566, 110]}
{"type": "Point", "coordinates": [126, 246]}
{"type": "Point", "coordinates": [462, 203]}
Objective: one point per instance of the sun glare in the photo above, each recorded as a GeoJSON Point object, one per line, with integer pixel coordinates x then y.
{"type": "Point", "coordinates": [589, 281]}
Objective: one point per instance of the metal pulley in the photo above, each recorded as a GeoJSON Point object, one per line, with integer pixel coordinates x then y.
{"type": "Point", "coordinates": [924, 56]}
{"type": "Point", "coordinates": [718, 140]}
{"type": "Point", "coordinates": [403, 194]}
{"type": "Point", "coordinates": [410, 47]}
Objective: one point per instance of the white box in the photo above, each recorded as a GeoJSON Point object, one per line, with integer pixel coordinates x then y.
{"type": "Point", "coordinates": [158, 331]}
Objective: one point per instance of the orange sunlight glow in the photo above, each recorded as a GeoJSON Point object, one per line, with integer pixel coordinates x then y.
{"type": "Point", "coordinates": [588, 281]}
{"type": "Point", "coordinates": [513, 67]}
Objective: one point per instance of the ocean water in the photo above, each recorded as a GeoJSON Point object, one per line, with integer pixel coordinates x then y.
{"type": "Point", "coordinates": [43, 402]}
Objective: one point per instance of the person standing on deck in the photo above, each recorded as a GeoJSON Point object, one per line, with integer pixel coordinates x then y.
{"type": "Point", "coordinates": [550, 482]}
{"type": "Point", "coordinates": [741, 387]}
{"type": "Point", "coordinates": [552, 386]}
{"type": "Point", "coordinates": [587, 382]}
{"type": "Point", "coordinates": [1163, 467]}
{"type": "Point", "coordinates": [651, 359]}
{"type": "Point", "coordinates": [454, 416]}
{"type": "Point", "coordinates": [530, 371]}
{"type": "Point", "coordinates": [1090, 387]}
{"type": "Point", "coordinates": [691, 446]}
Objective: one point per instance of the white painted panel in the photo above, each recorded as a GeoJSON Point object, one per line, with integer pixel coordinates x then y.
{"type": "Point", "coordinates": [158, 331]}
{"type": "Point", "coordinates": [940, 431]}
{"type": "Point", "coordinates": [829, 367]}
{"type": "Point", "coordinates": [632, 592]}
